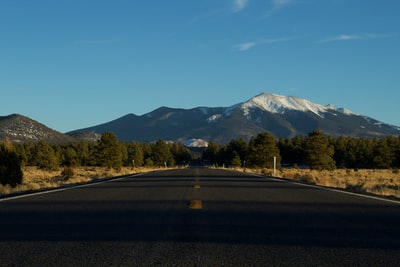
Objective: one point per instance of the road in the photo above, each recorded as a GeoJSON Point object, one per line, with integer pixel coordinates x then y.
{"type": "Point", "coordinates": [198, 217]}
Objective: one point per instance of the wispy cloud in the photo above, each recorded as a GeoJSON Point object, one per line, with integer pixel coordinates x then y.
{"type": "Point", "coordinates": [277, 5]}
{"type": "Point", "coordinates": [97, 42]}
{"type": "Point", "coordinates": [352, 37]}
{"type": "Point", "coordinates": [249, 45]}
{"type": "Point", "coordinates": [245, 46]}
{"type": "Point", "coordinates": [234, 6]}
{"type": "Point", "coordinates": [239, 5]}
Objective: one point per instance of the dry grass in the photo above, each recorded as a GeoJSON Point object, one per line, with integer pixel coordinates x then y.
{"type": "Point", "coordinates": [35, 179]}
{"type": "Point", "coordinates": [378, 182]}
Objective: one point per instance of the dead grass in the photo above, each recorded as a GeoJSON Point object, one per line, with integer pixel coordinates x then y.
{"type": "Point", "coordinates": [35, 179]}
{"type": "Point", "coordinates": [378, 182]}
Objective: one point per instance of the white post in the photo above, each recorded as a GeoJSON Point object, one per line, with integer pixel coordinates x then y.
{"type": "Point", "coordinates": [274, 166]}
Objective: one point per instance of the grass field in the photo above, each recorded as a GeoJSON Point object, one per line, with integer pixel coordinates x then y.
{"type": "Point", "coordinates": [35, 179]}
{"type": "Point", "coordinates": [379, 182]}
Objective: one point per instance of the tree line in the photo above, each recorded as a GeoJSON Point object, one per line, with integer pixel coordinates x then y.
{"type": "Point", "coordinates": [107, 152]}
{"type": "Point", "coordinates": [315, 151]}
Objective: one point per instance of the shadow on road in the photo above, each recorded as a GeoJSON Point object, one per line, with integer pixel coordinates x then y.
{"type": "Point", "coordinates": [226, 222]}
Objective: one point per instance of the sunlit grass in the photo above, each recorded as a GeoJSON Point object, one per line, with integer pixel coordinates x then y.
{"type": "Point", "coordinates": [36, 179]}
{"type": "Point", "coordinates": [379, 182]}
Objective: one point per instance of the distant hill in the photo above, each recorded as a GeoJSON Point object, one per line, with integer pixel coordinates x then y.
{"type": "Point", "coordinates": [283, 116]}
{"type": "Point", "coordinates": [23, 129]}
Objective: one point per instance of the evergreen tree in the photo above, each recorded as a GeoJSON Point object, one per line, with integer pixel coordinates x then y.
{"type": "Point", "coordinates": [109, 153]}
{"type": "Point", "coordinates": [211, 153]}
{"type": "Point", "coordinates": [237, 147]}
{"type": "Point", "coordinates": [262, 150]}
{"type": "Point", "coordinates": [161, 154]}
{"type": "Point", "coordinates": [44, 156]}
{"type": "Point", "coordinates": [70, 157]}
{"type": "Point", "coordinates": [135, 154]}
{"type": "Point", "coordinates": [83, 153]}
{"type": "Point", "coordinates": [180, 153]}
{"type": "Point", "coordinates": [318, 152]}
{"type": "Point", "coordinates": [396, 150]}
{"type": "Point", "coordinates": [10, 165]}
{"type": "Point", "coordinates": [383, 154]}
{"type": "Point", "coordinates": [236, 162]}
{"type": "Point", "coordinates": [341, 149]}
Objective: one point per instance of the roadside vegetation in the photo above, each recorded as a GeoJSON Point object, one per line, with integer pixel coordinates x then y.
{"type": "Point", "coordinates": [357, 164]}
{"type": "Point", "coordinates": [41, 165]}
{"type": "Point", "coordinates": [36, 178]}
{"type": "Point", "coordinates": [363, 165]}
{"type": "Point", "coordinates": [381, 182]}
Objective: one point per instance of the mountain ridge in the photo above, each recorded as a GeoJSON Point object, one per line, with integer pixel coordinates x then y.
{"type": "Point", "coordinates": [283, 116]}
{"type": "Point", "coordinates": [21, 129]}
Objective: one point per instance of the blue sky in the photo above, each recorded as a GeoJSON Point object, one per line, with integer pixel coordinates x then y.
{"type": "Point", "coordinates": [72, 64]}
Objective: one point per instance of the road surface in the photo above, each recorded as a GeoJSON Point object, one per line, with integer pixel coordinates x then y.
{"type": "Point", "coordinates": [198, 217]}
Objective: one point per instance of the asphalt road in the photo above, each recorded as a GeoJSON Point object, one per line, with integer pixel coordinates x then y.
{"type": "Point", "coordinates": [198, 217]}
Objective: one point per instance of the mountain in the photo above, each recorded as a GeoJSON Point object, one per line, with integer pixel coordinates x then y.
{"type": "Point", "coordinates": [23, 129]}
{"type": "Point", "coordinates": [283, 116]}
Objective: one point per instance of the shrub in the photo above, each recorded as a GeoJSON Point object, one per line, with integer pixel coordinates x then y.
{"type": "Point", "coordinates": [10, 168]}
{"type": "Point", "coordinates": [307, 178]}
{"type": "Point", "coordinates": [68, 172]}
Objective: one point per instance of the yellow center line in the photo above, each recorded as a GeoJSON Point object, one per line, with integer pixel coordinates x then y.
{"type": "Point", "coordinates": [196, 204]}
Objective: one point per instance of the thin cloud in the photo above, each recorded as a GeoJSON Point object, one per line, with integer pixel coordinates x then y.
{"type": "Point", "coordinates": [235, 7]}
{"type": "Point", "coordinates": [249, 45]}
{"type": "Point", "coordinates": [239, 5]}
{"type": "Point", "coordinates": [245, 46]}
{"type": "Point", "coordinates": [97, 42]}
{"type": "Point", "coordinates": [353, 37]}
{"type": "Point", "coordinates": [277, 5]}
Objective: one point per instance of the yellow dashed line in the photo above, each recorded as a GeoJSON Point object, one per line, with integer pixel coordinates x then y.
{"type": "Point", "coordinates": [196, 204]}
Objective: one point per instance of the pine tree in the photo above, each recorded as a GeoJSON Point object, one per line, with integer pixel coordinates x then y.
{"type": "Point", "coordinates": [210, 154]}
{"type": "Point", "coordinates": [161, 154]}
{"type": "Point", "coordinates": [44, 156]}
{"type": "Point", "coordinates": [10, 165]}
{"type": "Point", "coordinates": [135, 154]}
{"type": "Point", "coordinates": [236, 162]}
{"type": "Point", "coordinates": [262, 150]}
{"type": "Point", "coordinates": [108, 152]}
{"type": "Point", "coordinates": [318, 152]}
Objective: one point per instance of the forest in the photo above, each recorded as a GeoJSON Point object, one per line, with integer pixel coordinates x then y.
{"type": "Point", "coordinates": [315, 151]}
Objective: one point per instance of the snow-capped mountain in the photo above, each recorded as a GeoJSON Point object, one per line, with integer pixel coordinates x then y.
{"type": "Point", "coordinates": [279, 104]}
{"type": "Point", "coordinates": [283, 116]}
{"type": "Point", "coordinates": [195, 143]}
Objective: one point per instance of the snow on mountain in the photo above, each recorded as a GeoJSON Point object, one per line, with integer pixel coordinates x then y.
{"type": "Point", "coordinates": [341, 110]}
{"type": "Point", "coordinates": [213, 118]}
{"type": "Point", "coordinates": [194, 142]}
{"type": "Point", "coordinates": [21, 129]}
{"type": "Point", "coordinates": [282, 116]}
{"type": "Point", "coordinates": [278, 104]}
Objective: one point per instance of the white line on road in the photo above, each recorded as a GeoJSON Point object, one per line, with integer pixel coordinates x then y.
{"type": "Point", "coordinates": [64, 188]}
{"type": "Point", "coordinates": [328, 189]}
